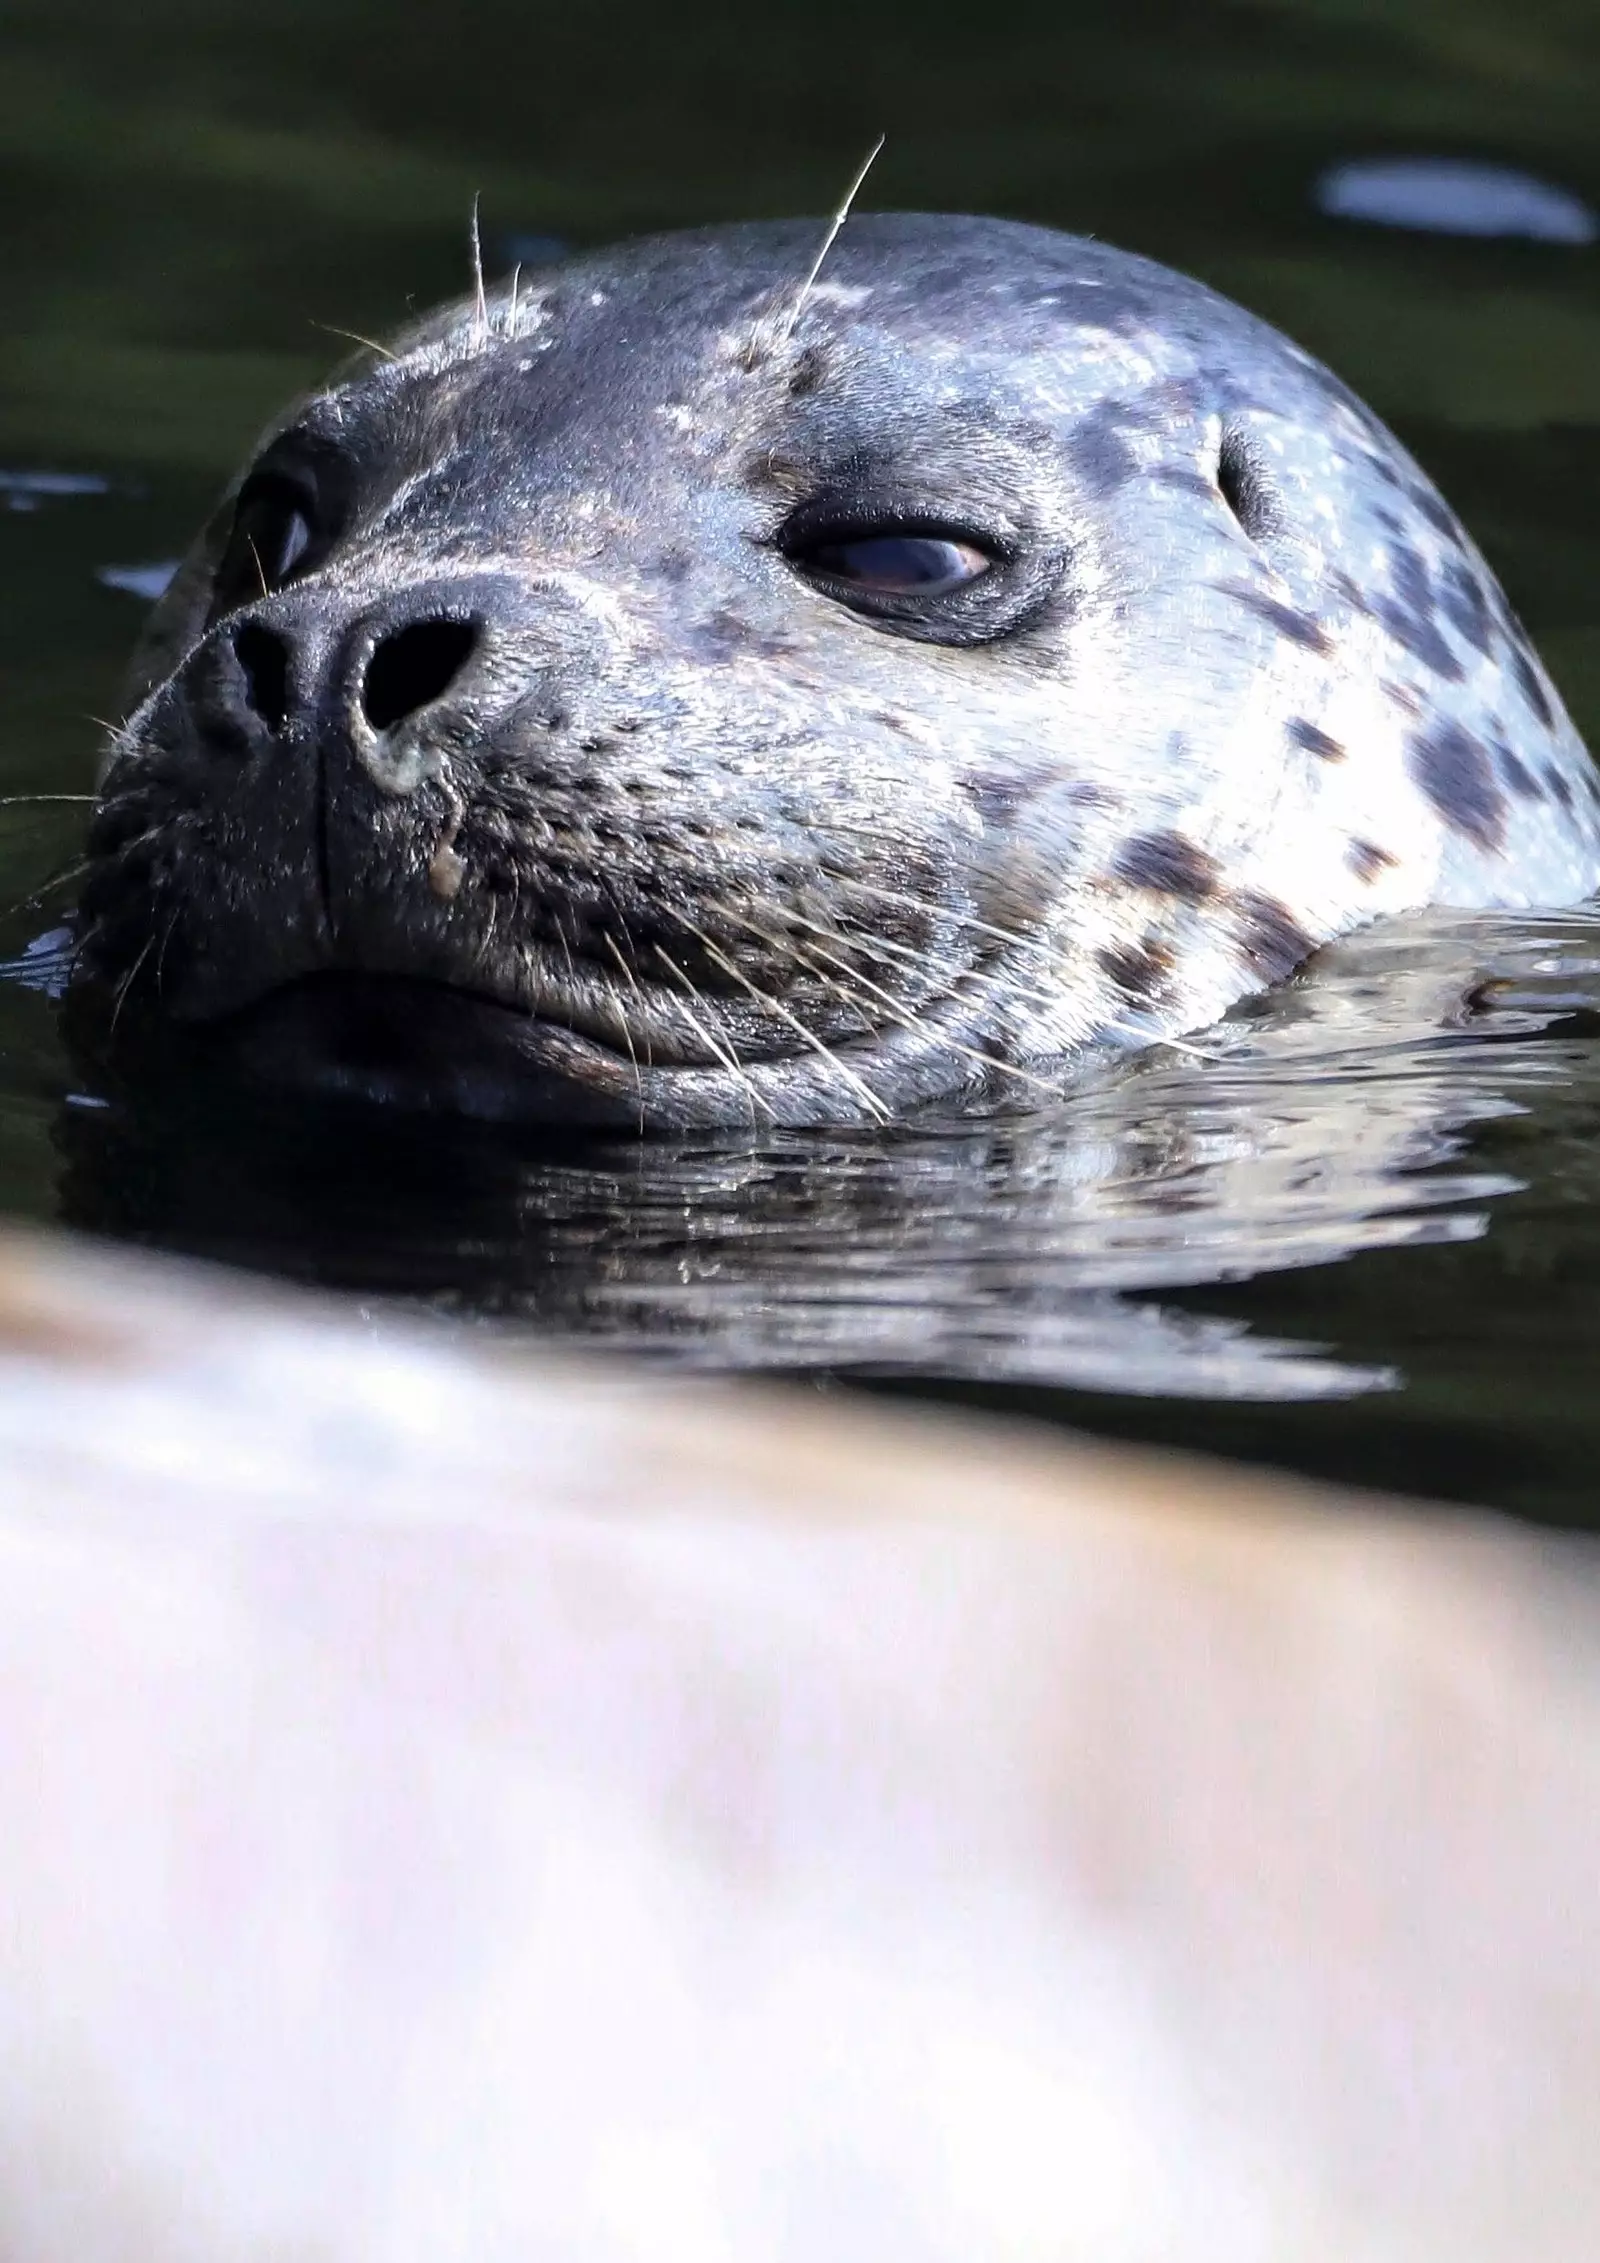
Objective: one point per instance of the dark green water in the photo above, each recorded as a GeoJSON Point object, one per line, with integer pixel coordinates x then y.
{"type": "Point", "coordinates": [1365, 1238]}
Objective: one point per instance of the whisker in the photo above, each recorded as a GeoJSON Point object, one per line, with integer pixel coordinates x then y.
{"type": "Point", "coordinates": [161, 955]}
{"type": "Point", "coordinates": [356, 339]}
{"type": "Point", "coordinates": [961, 919]}
{"type": "Point", "coordinates": [480, 311]}
{"type": "Point", "coordinates": [908, 1020]}
{"type": "Point", "coordinates": [627, 1033]}
{"type": "Point", "coordinates": [632, 981]}
{"type": "Point", "coordinates": [35, 901]}
{"type": "Point", "coordinates": [829, 240]}
{"type": "Point", "coordinates": [27, 801]}
{"type": "Point", "coordinates": [988, 979]}
{"type": "Point", "coordinates": [897, 1009]}
{"type": "Point", "coordinates": [729, 1059]}
{"type": "Point", "coordinates": [776, 1006]}
{"type": "Point", "coordinates": [127, 984]}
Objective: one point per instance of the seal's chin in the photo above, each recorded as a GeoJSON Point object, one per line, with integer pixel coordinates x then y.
{"type": "Point", "coordinates": [424, 1047]}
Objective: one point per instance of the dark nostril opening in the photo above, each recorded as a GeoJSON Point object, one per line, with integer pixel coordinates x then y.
{"type": "Point", "coordinates": [414, 667]}
{"type": "Point", "coordinates": [264, 659]}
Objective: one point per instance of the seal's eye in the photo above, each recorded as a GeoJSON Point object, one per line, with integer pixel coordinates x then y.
{"type": "Point", "coordinates": [895, 565]}
{"type": "Point", "coordinates": [914, 572]}
{"type": "Point", "coordinates": [274, 533]}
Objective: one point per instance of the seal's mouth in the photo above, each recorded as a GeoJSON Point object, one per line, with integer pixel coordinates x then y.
{"type": "Point", "coordinates": [422, 1046]}
{"type": "Point", "coordinates": [400, 1041]}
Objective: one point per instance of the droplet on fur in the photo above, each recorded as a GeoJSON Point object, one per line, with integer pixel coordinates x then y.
{"type": "Point", "coordinates": [445, 870]}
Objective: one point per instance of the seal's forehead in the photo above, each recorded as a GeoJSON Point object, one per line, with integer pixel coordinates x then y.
{"type": "Point", "coordinates": [994, 291]}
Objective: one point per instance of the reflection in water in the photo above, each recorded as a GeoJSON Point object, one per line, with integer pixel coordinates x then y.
{"type": "Point", "coordinates": [26, 490]}
{"type": "Point", "coordinates": [1316, 1124]}
{"type": "Point", "coordinates": [148, 582]}
{"type": "Point", "coordinates": [1454, 197]}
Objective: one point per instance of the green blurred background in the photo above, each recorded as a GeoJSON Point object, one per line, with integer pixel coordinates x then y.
{"type": "Point", "coordinates": [190, 190]}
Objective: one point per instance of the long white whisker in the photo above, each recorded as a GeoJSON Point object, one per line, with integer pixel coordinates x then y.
{"type": "Point", "coordinates": [480, 311]}
{"type": "Point", "coordinates": [1008, 982]}
{"type": "Point", "coordinates": [627, 1033]}
{"type": "Point", "coordinates": [829, 240]}
{"type": "Point", "coordinates": [899, 1012]}
{"type": "Point", "coordinates": [960, 919]}
{"type": "Point", "coordinates": [793, 1021]}
{"type": "Point", "coordinates": [127, 984]}
{"type": "Point", "coordinates": [729, 1058]}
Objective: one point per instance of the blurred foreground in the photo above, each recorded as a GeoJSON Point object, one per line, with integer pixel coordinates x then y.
{"type": "Point", "coordinates": [456, 1805]}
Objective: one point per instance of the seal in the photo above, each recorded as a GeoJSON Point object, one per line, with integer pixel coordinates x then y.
{"type": "Point", "coordinates": [668, 692]}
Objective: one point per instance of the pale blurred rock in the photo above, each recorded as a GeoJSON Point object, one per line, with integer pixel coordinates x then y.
{"type": "Point", "coordinates": [464, 1806]}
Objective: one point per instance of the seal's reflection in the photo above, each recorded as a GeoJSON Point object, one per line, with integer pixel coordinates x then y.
{"type": "Point", "coordinates": [1327, 1120]}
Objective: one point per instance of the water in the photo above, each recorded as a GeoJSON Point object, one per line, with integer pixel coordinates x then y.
{"type": "Point", "coordinates": [1358, 1232]}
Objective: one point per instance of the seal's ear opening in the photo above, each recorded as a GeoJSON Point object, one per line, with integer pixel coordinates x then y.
{"type": "Point", "coordinates": [1246, 486]}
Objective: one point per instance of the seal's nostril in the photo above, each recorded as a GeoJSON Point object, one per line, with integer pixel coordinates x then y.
{"type": "Point", "coordinates": [414, 667]}
{"type": "Point", "coordinates": [264, 658]}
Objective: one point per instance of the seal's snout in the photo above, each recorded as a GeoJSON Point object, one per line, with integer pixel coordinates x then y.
{"type": "Point", "coordinates": [316, 667]}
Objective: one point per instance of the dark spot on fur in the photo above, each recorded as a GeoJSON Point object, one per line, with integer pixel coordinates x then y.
{"type": "Point", "coordinates": [808, 372]}
{"type": "Point", "coordinates": [1366, 860]}
{"type": "Point", "coordinates": [1533, 692]}
{"type": "Point", "coordinates": [673, 565]}
{"type": "Point", "coordinates": [1379, 466]}
{"type": "Point", "coordinates": [723, 635]}
{"type": "Point", "coordinates": [1431, 505]}
{"type": "Point", "coordinates": [1353, 595]}
{"type": "Point", "coordinates": [1083, 795]}
{"type": "Point", "coordinates": [1408, 613]}
{"type": "Point", "coordinates": [1315, 740]}
{"type": "Point", "coordinates": [1298, 627]}
{"type": "Point", "coordinates": [1270, 937]}
{"type": "Point", "coordinates": [1516, 774]}
{"type": "Point", "coordinates": [1099, 453]}
{"type": "Point", "coordinates": [1560, 786]}
{"type": "Point", "coordinates": [995, 798]}
{"type": "Point", "coordinates": [1169, 864]}
{"type": "Point", "coordinates": [1189, 482]}
{"type": "Point", "coordinates": [1454, 771]}
{"type": "Point", "coordinates": [1139, 972]}
{"type": "Point", "coordinates": [1402, 695]}
{"type": "Point", "coordinates": [1466, 606]}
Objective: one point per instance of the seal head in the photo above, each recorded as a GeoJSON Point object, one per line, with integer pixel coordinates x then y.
{"type": "Point", "coordinates": [642, 697]}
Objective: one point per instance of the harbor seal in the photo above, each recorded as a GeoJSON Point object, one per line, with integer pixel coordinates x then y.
{"type": "Point", "coordinates": [664, 692]}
